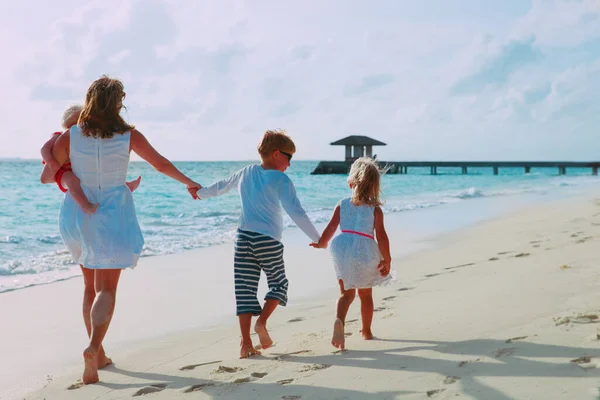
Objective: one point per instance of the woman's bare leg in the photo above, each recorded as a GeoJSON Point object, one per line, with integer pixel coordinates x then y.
{"type": "Point", "coordinates": [89, 294]}
{"type": "Point", "coordinates": [106, 282]}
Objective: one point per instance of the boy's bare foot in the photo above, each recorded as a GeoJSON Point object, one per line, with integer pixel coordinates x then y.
{"type": "Point", "coordinates": [90, 371]}
{"type": "Point", "coordinates": [134, 184]}
{"type": "Point", "coordinates": [248, 350]}
{"type": "Point", "coordinates": [367, 335]}
{"type": "Point", "coordinates": [263, 335]}
{"type": "Point", "coordinates": [339, 339]}
{"type": "Point", "coordinates": [89, 208]}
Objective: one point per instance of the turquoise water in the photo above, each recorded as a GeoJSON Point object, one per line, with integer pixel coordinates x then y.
{"type": "Point", "coordinates": [31, 249]}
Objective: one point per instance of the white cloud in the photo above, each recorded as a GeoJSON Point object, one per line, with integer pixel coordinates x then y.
{"type": "Point", "coordinates": [204, 79]}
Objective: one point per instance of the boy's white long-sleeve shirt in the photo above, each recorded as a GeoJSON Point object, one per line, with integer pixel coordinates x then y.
{"type": "Point", "coordinates": [262, 193]}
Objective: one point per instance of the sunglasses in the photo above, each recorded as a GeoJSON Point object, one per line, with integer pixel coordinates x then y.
{"type": "Point", "coordinates": [288, 155]}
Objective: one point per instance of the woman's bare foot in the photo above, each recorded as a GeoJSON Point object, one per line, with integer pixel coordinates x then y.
{"type": "Point", "coordinates": [248, 350]}
{"type": "Point", "coordinates": [90, 371]}
{"type": "Point", "coordinates": [367, 335]}
{"type": "Point", "coordinates": [338, 340]}
{"type": "Point", "coordinates": [263, 335]}
{"type": "Point", "coordinates": [89, 208]}
{"type": "Point", "coordinates": [134, 184]}
{"type": "Point", "coordinates": [103, 360]}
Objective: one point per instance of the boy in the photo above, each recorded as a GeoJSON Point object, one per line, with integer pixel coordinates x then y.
{"type": "Point", "coordinates": [263, 189]}
{"type": "Point", "coordinates": [63, 175]}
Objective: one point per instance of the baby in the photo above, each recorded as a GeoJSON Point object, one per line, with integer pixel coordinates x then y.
{"type": "Point", "coordinates": [63, 175]}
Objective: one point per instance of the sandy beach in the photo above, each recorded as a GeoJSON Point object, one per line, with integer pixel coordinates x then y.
{"type": "Point", "coordinates": [504, 309]}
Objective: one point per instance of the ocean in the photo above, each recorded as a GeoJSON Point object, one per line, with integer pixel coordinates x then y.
{"type": "Point", "coordinates": [32, 252]}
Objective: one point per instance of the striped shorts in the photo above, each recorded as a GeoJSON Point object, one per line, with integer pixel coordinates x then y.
{"type": "Point", "coordinates": [255, 252]}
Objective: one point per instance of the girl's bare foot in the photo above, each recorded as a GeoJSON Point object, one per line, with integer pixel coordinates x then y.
{"type": "Point", "coordinates": [90, 371]}
{"type": "Point", "coordinates": [367, 335]}
{"type": "Point", "coordinates": [338, 340]}
{"type": "Point", "coordinates": [134, 184]}
{"type": "Point", "coordinates": [89, 208]}
{"type": "Point", "coordinates": [263, 335]}
{"type": "Point", "coordinates": [248, 350]}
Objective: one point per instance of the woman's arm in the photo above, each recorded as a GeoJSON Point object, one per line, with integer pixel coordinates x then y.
{"type": "Point", "coordinates": [329, 230]}
{"type": "Point", "coordinates": [383, 242]}
{"type": "Point", "coordinates": [143, 148]}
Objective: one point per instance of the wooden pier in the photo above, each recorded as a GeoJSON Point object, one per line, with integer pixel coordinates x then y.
{"type": "Point", "coordinates": [402, 167]}
{"type": "Point", "coordinates": [362, 146]}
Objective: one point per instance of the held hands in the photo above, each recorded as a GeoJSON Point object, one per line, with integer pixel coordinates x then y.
{"type": "Point", "coordinates": [319, 245]}
{"type": "Point", "coordinates": [193, 188]}
{"type": "Point", "coordinates": [384, 267]}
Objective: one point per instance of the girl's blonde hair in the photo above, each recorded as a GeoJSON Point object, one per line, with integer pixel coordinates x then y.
{"type": "Point", "coordinates": [101, 116]}
{"type": "Point", "coordinates": [365, 180]}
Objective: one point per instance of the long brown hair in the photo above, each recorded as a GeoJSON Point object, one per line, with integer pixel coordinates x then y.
{"type": "Point", "coordinates": [365, 180]}
{"type": "Point", "coordinates": [100, 116]}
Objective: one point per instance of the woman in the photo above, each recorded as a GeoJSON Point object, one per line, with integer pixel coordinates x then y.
{"type": "Point", "coordinates": [110, 239]}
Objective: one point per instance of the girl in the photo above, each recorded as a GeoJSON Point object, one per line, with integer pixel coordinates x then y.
{"type": "Point", "coordinates": [360, 262]}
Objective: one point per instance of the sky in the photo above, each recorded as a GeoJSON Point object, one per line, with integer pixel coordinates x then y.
{"type": "Point", "coordinates": [434, 79]}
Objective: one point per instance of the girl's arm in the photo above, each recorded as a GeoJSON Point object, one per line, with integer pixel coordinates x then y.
{"type": "Point", "coordinates": [329, 230]}
{"type": "Point", "coordinates": [141, 146]}
{"type": "Point", "coordinates": [383, 242]}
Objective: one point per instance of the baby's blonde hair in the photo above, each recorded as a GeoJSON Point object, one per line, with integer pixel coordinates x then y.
{"type": "Point", "coordinates": [69, 113]}
{"type": "Point", "coordinates": [365, 180]}
{"type": "Point", "coordinates": [275, 140]}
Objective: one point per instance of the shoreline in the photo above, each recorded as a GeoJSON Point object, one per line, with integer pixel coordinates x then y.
{"type": "Point", "coordinates": [129, 340]}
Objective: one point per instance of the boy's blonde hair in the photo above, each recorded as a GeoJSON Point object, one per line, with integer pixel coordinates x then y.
{"type": "Point", "coordinates": [275, 140]}
{"type": "Point", "coordinates": [69, 113]}
{"type": "Point", "coordinates": [365, 180]}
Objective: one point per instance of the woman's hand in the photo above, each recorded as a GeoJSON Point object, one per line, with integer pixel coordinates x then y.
{"type": "Point", "coordinates": [193, 188]}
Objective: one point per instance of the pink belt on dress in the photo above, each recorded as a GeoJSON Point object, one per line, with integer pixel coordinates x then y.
{"type": "Point", "coordinates": [358, 233]}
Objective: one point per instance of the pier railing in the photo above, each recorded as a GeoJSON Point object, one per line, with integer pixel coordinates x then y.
{"type": "Point", "coordinates": [402, 167]}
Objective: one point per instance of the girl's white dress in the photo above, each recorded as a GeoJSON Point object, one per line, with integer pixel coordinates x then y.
{"type": "Point", "coordinates": [354, 251]}
{"type": "Point", "coordinates": [111, 238]}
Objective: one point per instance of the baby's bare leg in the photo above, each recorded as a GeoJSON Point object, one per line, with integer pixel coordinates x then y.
{"type": "Point", "coordinates": [134, 184]}
{"type": "Point", "coordinates": [71, 182]}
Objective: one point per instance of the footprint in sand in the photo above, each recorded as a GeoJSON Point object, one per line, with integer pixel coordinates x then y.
{"type": "Point", "coordinates": [243, 380]}
{"type": "Point", "coordinates": [230, 370]}
{"type": "Point", "coordinates": [505, 252]}
{"type": "Point", "coordinates": [451, 379]}
{"type": "Point", "coordinates": [389, 298]}
{"type": "Point", "coordinates": [494, 259]}
{"type": "Point", "coordinates": [431, 275]}
{"type": "Point", "coordinates": [297, 319]}
{"type": "Point", "coordinates": [157, 387]}
{"type": "Point", "coordinates": [74, 386]}
{"type": "Point", "coordinates": [198, 387]}
{"type": "Point", "coordinates": [432, 393]}
{"type": "Point", "coordinates": [285, 381]}
{"type": "Point", "coordinates": [350, 321]}
{"type": "Point", "coordinates": [460, 266]}
{"type": "Point", "coordinates": [259, 374]}
{"type": "Point", "coordinates": [291, 397]}
{"type": "Point", "coordinates": [508, 351]}
{"type": "Point", "coordinates": [522, 255]}
{"type": "Point", "coordinates": [585, 239]}
{"type": "Point", "coordinates": [191, 367]}
{"type": "Point", "coordinates": [516, 338]}
{"type": "Point", "coordinates": [282, 356]}
{"type": "Point", "coordinates": [584, 362]}
{"type": "Point", "coordinates": [347, 334]}
{"type": "Point", "coordinates": [404, 289]}
{"type": "Point", "coordinates": [314, 367]}
{"type": "Point", "coordinates": [380, 309]}
{"type": "Point", "coordinates": [536, 245]}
